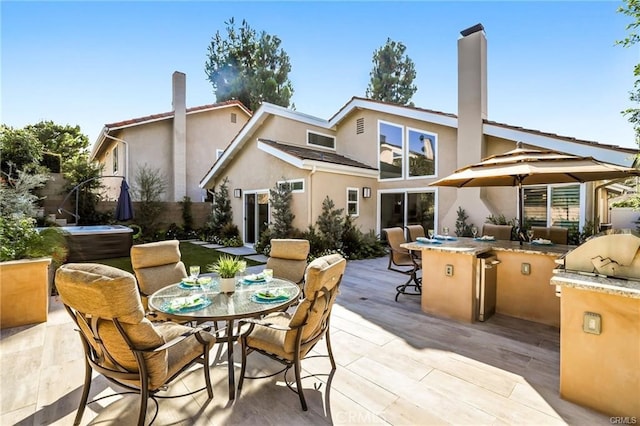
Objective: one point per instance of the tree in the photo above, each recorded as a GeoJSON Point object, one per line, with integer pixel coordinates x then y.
{"type": "Point", "coordinates": [20, 150]}
{"type": "Point", "coordinates": [280, 198]}
{"type": "Point", "coordinates": [632, 8]}
{"type": "Point", "coordinates": [392, 75]}
{"type": "Point", "coordinates": [248, 67]}
{"type": "Point", "coordinates": [148, 187]}
{"type": "Point", "coordinates": [68, 141]}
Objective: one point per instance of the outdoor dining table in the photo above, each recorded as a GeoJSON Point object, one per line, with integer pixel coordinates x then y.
{"type": "Point", "coordinates": [229, 307]}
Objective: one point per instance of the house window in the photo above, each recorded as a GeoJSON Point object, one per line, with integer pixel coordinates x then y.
{"type": "Point", "coordinates": [404, 208]}
{"type": "Point", "coordinates": [317, 139]}
{"type": "Point", "coordinates": [360, 125]}
{"type": "Point", "coordinates": [390, 153]}
{"type": "Point", "coordinates": [115, 160]}
{"type": "Point", "coordinates": [353, 202]}
{"type": "Point", "coordinates": [219, 153]}
{"type": "Point", "coordinates": [421, 155]}
{"type": "Point", "coordinates": [295, 185]}
{"type": "Point", "coordinates": [553, 205]}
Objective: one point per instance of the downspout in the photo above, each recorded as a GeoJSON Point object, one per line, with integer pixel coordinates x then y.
{"type": "Point", "coordinates": [126, 150]}
{"type": "Point", "coordinates": [309, 196]}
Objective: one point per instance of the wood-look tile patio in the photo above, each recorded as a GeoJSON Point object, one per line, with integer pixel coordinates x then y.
{"type": "Point", "coordinates": [396, 365]}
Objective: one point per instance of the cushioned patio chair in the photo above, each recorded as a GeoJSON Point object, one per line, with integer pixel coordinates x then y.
{"type": "Point", "coordinates": [119, 342]}
{"type": "Point", "coordinates": [415, 231]}
{"type": "Point", "coordinates": [500, 232]}
{"type": "Point", "coordinates": [288, 338]}
{"type": "Point", "coordinates": [156, 266]}
{"type": "Point", "coordinates": [288, 259]}
{"type": "Point", "coordinates": [402, 258]}
{"type": "Point", "coordinates": [555, 234]}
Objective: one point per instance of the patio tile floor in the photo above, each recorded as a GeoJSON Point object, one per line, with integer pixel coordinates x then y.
{"type": "Point", "coordinates": [396, 365]}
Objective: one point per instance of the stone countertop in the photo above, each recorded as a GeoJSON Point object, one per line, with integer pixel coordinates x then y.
{"type": "Point", "coordinates": [470, 246]}
{"type": "Point", "coordinates": [597, 283]}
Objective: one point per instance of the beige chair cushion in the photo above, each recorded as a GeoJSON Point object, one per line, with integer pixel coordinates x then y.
{"type": "Point", "coordinates": [104, 292]}
{"type": "Point", "coordinates": [555, 234]}
{"type": "Point", "coordinates": [324, 272]}
{"type": "Point", "coordinates": [415, 231]}
{"type": "Point", "coordinates": [293, 249]}
{"type": "Point", "coordinates": [288, 258]}
{"type": "Point", "coordinates": [500, 232]}
{"type": "Point", "coordinates": [157, 265]}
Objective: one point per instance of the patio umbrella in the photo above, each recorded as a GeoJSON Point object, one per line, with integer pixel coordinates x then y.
{"type": "Point", "coordinates": [124, 208]}
{"type": "Point", "coordinates": [524, 166]}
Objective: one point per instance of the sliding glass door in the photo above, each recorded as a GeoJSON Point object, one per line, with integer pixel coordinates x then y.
{"type": "Point", "coordinates": [407, 208]}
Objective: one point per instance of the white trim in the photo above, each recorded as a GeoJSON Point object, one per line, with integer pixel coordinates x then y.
{"type": "Point", "coordinates": [321, 146]}
{"type": "Point", "coordinates": [357, 201]}
{"type": "Point", "coordinates": [406, 112]}
{"type": "Point", "coordinates": [602, 153]}
{"type": "Point", "coordinates": [254, 123]}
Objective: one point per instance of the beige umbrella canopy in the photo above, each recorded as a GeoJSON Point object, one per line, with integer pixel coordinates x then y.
{"type": "Point", "coordinates": [524, 166]}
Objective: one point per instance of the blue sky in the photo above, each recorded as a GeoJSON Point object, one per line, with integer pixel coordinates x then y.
{"type": "Point", "coordinates": [552, 66]}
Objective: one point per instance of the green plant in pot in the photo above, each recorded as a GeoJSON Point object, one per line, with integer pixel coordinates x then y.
{"type": "Point", "coordinates": [227, 267]}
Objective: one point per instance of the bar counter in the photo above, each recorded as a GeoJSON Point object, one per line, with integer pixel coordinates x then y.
{"type": "Point", "coordinates": [452, 277]}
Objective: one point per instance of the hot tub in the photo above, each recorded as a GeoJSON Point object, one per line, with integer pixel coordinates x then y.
{"type": "Point", "coordinates": [97, 242]}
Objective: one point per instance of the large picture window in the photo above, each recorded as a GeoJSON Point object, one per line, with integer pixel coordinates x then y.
{"type": "Point", "coordinates": [557, 205]}
{"type": "Point", "coordinates": [391, 151]}
{"type": "Point", "coordinates": [408, 208]}
{"type": "Point", "coordinates": [421, 156]}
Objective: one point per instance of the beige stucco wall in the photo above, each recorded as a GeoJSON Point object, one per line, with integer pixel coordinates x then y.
{"type": "Point", "coordinates": [151, 144]}
{"type": "Point", "coordinates": [601, 371]}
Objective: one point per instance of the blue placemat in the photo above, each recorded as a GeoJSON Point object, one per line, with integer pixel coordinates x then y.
{"type": "Point", "coordinates": [423, 240]}
{"type": "Point", "coordinates": [443, 238]}
{"type": "Point", "coordinates": [258, 299]}
{"type": "Point", "coordinates": [484, 239]}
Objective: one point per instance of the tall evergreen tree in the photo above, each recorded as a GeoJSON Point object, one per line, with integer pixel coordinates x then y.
{"type": "Point", "coordinates": [249, 67]}
{"type": "Point", "coordinates": [222, 213]}
{"type": "Point", "coordinates": [280, 200]}
{"type": "Point", "coordinates": [392, 75]}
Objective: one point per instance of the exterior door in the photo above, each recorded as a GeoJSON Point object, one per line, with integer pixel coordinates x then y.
{"type": "Point", "coordinates": [256, 215]}
{"type": "Point", "coordinates": [407, 208]}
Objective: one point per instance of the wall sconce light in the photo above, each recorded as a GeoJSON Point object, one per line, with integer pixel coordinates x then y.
{"type": "Point", "coordinates": [237, 193]}
{"type": "Point", "coordinates": [366, 192]}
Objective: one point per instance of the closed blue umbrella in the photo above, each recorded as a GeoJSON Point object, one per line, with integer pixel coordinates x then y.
{"type": "Point", "coordinates": [124, 208]}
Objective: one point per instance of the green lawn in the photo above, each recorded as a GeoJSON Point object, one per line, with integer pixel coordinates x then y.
{"type": "Point", "coordinates": [192, 254]}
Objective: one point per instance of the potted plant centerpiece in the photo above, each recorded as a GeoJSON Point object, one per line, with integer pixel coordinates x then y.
{"type": "Point", "coordinates": [227, 267]}
{"type": "Point", "coordinates": [26, 253]}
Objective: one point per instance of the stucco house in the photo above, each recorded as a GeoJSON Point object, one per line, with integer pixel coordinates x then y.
{"type": "Point", "coordinates": [181, 144]}
{"type": "Point", "coordinates": [376, 160]}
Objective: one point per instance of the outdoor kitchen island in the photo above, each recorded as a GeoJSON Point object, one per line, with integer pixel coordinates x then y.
{"type": "Point", "coordinates": [468, 280]}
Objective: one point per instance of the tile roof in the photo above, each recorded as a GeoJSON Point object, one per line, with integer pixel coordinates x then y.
{"type": "Point", "coordinates": [304, 153]}
{"type": "Point", "coordinates": [164, 115]}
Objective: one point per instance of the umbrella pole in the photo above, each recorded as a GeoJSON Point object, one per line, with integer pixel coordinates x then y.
{"type": "Point", "coordinates": [520, 232]}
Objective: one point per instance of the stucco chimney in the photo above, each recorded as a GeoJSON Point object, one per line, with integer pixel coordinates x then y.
{"type": "Point", "coordinates": [179, 84]}
{"type": "Point", "coordinates": [472, 109]}
{"type": "Point", "coordinates": [472, 94]}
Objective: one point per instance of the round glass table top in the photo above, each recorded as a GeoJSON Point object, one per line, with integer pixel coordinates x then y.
{"type": "Point", "coordinates": [207, 302]}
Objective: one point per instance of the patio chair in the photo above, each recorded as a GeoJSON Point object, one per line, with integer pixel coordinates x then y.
{"type": "Point", "coordinates": [500, 232]}
{"type": "Point", "coordinates": [415, 231]}
{"type": "Point", "coordinates": [555, 234]}
{"type": "Point", "coordinates": [402, 258]}
{"type": "Point", "coordinates": [119, 342]}
{"type": "Point", "coordinates": [157, 265]}
{"type": "Point", "coordinates": [288, 259]}
{"type": "Point", "coordinates": [288, 338]}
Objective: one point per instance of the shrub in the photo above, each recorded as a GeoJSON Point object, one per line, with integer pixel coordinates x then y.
{"type": "Point", "coordinates": [462, 228]}
{"type": "Point", "coordinates": [148, 187]}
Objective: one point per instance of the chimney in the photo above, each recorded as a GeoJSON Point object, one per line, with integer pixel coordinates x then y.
{"type": "Point", "coordinates": [179, 85]}
{"type": "Point", "coordinates": [472, 94]}
{"type": "Point", "coordinates": [472, 109]}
